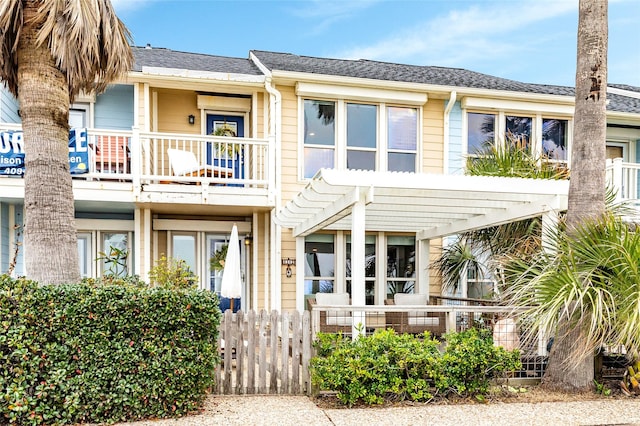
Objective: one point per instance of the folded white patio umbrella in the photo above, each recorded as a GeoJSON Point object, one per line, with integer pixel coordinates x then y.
{"type": "Point", "coordinates": [231, 285]}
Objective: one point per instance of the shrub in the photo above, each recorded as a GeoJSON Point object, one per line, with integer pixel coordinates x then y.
{"type": "Point", "coordinates": [172, 273]}
{"type": "Point", "coordinates": [470, 361]}
{"type": "Point", "coordinates": [371, 368]}
{"type": "Point", "coordinates": [386, 365]}
{"type": "Point", "coordinates": [85, 353]}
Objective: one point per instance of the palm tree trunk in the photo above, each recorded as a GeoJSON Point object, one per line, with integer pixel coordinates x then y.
{"type": "Point", "coordinates": [51, 254]}
{"type": "Point", "coordinates": [587, 184]}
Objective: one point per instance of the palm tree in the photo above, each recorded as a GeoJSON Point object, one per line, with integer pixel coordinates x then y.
{"type": "Point", "coordinates": [586, 194]}
{"type": "Point", "coordinates": [485, 250]}
{"type": "Point", "coordinates": [50, 51]}
{"type": "Point", "coordinates": [589, 279]}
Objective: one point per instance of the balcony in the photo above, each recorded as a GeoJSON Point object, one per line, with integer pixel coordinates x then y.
{"type": "Point", "coordinates": [149, 167]}
{"type": "Point", "coordinates": [624, 179]}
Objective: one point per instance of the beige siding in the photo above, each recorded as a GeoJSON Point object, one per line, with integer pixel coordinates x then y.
{"type": "Point", "coordinates": [174, 107]}
{"type": "Point", "coordinates": [290, 187]}
{"type": "Point", "coordinates": [289, 155]}
{"type": "Point", "coordinates": [433, 137]}
{"type": "Point", "coordinates": [289, 284]}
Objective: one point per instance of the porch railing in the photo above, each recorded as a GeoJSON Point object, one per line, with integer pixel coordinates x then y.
{"type": "Point", "coordinates": [169, 158]}
{"type": "Point", "coordinates": [624, 179]}
{"type": "Point", "coordinates": [146, 157]}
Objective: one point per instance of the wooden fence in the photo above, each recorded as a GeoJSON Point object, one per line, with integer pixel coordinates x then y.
{"type": "Point", "coordinates": [264, 353]}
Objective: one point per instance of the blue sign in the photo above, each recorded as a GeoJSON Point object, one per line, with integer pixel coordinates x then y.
{"type": "Point", "coordinates": [12, 152]}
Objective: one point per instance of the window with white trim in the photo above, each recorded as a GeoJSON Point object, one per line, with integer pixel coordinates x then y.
{"type": "Point", "coordinates": [319, 264]}
{"type": "Point", "coordinates": [319, 136]}
{"type": "Point", "coordinates": [356, 135]}
{"type": "Point", "coordinates": [545, 136]}
{"type": "Point", "coordinates": [105, 252]}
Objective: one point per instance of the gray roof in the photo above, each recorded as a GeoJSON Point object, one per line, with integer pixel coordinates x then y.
{"type": "Point", "coordinates": [453, 77]}
{"type": "Point", "coordinates": [362, 68]}
{"type": "Point", "coordinates": [167, 58]}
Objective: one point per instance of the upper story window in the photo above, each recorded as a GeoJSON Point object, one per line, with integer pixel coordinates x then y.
{"type": "Point", "coordinates": [319, 136]}
{"type": "Point", "coordinates": [402, 139]}
{"type": "Point", "coordinates": [350, 135]}
{"type": "Point", "coordinates": [548, 137]}
{"type": "Point", "coordinates": [481, 131]}
{"type": "Point", "coordinates": [554, 139]}
{"type": "Point", "coordinates": [362, 136]}
{"type": "Point", "coordinates": [518, 130]}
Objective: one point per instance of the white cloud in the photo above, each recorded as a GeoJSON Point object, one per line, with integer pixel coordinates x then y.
{"type": "Point", "coordinates": [464, 34]}
{"type": "Point", "coordinates": [326, 13]}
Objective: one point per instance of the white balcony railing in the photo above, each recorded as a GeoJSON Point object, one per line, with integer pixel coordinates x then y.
{"type": "Point", "coordinates": [623, 178]}
{"type": "Point", "coordinates": [216, 160]}
{"type": "Point", "coordinates": [168, 158]}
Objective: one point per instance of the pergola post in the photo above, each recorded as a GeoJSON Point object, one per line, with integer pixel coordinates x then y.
{"type": "Point", "coordinates": [423, 265]}
{"type": "Point", "coordinates": [358, 265]}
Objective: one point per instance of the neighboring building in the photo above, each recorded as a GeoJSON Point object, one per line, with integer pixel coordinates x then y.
{"type": "Point", "coordinates": [334, 164]}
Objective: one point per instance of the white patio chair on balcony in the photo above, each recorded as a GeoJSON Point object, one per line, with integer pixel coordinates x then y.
{"type": "Point", "coordinates": [185, 163]}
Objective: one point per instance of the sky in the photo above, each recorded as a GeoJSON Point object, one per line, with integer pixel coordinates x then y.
{"type": "Point", "coordinates": [532, 41]}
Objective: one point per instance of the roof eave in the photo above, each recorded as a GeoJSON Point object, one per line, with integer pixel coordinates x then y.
{"type": "Point", "coordinates": [291, 77]}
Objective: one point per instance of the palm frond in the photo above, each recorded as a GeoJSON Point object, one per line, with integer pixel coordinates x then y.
{"type": "Point", "coordinates": [10, 29]}
{"type": "Point", "coordinates": [90, 45]}
{"type": "Point", "coordinates": [513, 159]}
{"type": "Point", "coordinates": [591, 278]}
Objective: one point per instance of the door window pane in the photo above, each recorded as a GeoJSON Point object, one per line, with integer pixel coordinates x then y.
{"type": "Point", "coordinates": [481, 131]}
{"type": "Point", "coordinates": [554, 139]}
{"type": "Point", "coordinates": [184, 248]}
{"type": "Point", "coordinates": [115, 247]}
{"type": "Point", "coordinates": [401, 263]}
{"type": "Point", "coordinates": [84, 254]}
{"type": "Point", "coordinates": [319, 264]}
{"type": "Point", "coordinates": [369, 267]}
{"type": "Point", "coordinates": [518, 131]}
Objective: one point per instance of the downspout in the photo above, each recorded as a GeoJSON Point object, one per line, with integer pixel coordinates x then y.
{"type": "Point", "coordinates": [447, 112]}
{"type": "Point", "coordinates": [275, 181]}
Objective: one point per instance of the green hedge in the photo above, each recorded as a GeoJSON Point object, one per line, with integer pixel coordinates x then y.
{"type": "Point", "coordinates": [390, 366]}
{"type": "Point", "coordinates": [87, 353]}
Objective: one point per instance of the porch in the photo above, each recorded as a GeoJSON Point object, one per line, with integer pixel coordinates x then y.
{"type": "Point", "coordinates": [623, 178]}
{"type": "Point", "coordinates": [163, 167]}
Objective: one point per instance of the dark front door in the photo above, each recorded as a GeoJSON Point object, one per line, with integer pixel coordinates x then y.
{"type": "Point", "coordinates": [234, 122]}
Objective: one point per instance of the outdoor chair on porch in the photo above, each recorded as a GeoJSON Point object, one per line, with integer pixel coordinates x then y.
{"type": "Point", "coordinates": [418, 321]}
{"type": "Point", "coordinates": [332, 321]}
{"type": "Point", "coordinates": [185, 163]}
{"type": "Point", "coordinates": [112, 154]}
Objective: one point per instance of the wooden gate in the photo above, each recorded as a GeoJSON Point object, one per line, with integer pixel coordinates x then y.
{"type": "Point", "coordinates": [264, 353]}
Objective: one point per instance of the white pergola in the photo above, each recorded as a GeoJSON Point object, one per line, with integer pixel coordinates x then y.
{"type": "Point", "coordinates": [429, 205]}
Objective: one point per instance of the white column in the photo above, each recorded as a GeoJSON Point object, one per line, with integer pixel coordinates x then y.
{"type": "Point", "coordinates": [358, 264]}
{"type": "Point", "coordinates": [299, 273]}
{"type": "Point", "coordinates": [423, 267]}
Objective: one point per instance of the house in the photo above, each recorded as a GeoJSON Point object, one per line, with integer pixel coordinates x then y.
{"type": "Point", "coordinates": [325, 166]}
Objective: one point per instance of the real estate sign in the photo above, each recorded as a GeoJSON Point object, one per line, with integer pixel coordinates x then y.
{"type": "Point", "coordinates": [12, 152]}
